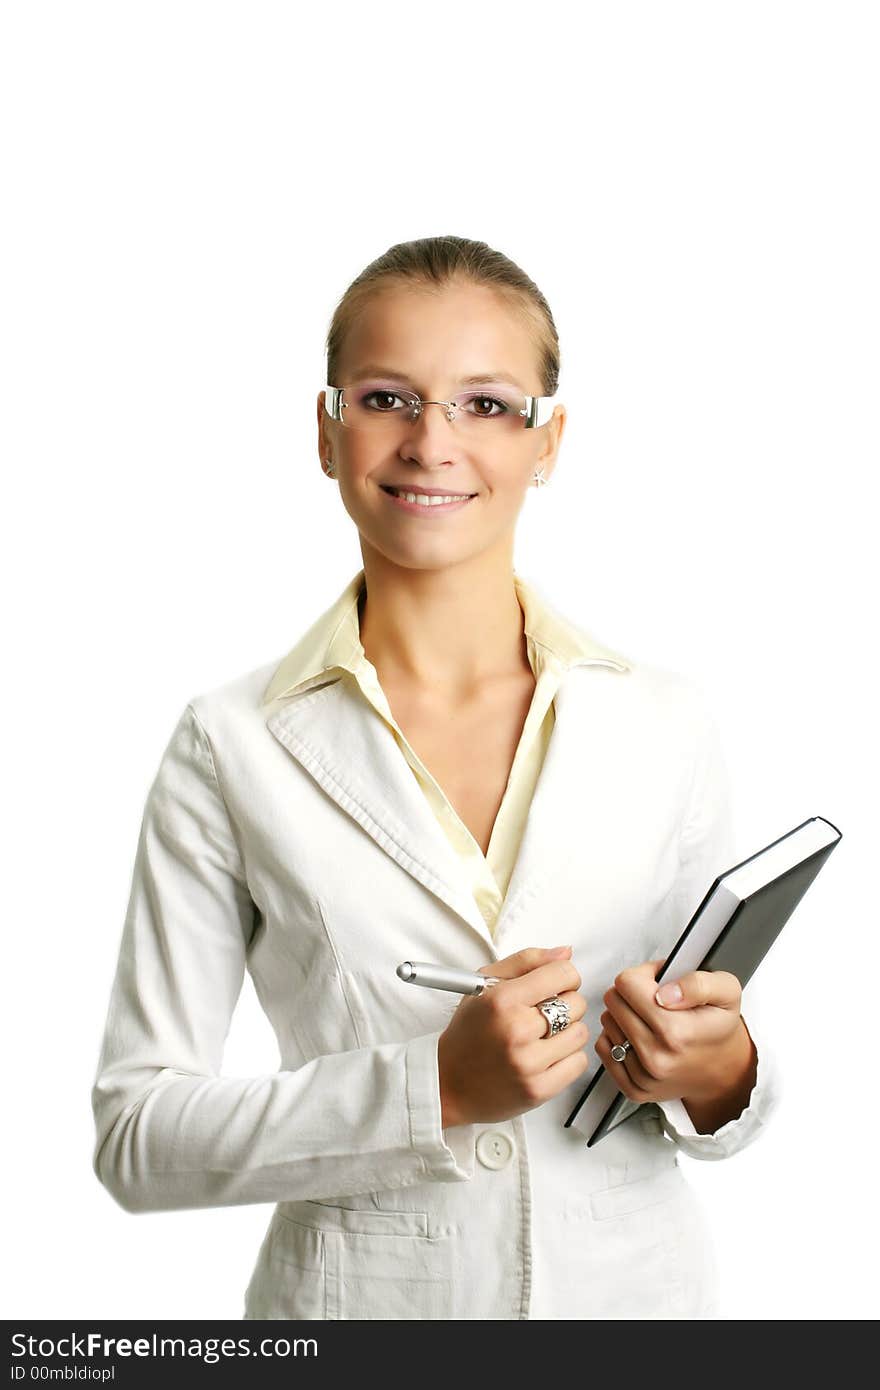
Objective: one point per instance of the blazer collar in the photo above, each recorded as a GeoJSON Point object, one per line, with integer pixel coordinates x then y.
{"type": "Point", "coordinates": [332, 735]}
{"type": "Point", "coordinates": [332, 644]}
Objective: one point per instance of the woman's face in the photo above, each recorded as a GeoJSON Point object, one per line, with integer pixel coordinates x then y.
{"type": "Point", "coordinates": [430, 341]}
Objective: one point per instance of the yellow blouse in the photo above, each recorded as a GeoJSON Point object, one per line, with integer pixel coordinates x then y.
{"type": "Point", "coordinates": [553, 644]}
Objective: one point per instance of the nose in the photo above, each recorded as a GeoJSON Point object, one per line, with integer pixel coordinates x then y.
{"type": "Point", "coordinates": [430, 437]}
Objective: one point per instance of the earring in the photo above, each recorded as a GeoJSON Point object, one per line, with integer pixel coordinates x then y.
{"type": "Point", "coordinates": [330, 468]}
{"type": "Point", "coordinates": [539, 479]}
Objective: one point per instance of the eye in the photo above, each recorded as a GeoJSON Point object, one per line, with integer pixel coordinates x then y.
{"type": "Point", "coordinates": [485, 404]}
{"type": "Point", "coordinates": [385, 396]}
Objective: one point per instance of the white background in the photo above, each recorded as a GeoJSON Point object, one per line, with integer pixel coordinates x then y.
{"type": "Point", "coordinates": [189, 188]}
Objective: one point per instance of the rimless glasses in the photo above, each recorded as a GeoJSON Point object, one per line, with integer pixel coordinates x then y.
{"type": "Point", "coordinates": [485, 408]}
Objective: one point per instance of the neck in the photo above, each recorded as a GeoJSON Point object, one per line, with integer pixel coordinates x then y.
{"type": "Point", "coordinates": [445, 631]}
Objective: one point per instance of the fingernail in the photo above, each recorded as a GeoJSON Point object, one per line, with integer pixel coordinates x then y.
{"type": "Point", "coordinates": [668, 994]}
{"type": "Point", "coordinates": [560, 950]}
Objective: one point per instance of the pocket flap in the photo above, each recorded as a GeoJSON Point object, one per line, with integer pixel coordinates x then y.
{"type": "Point", "coordinates": [631, 1196]}
{"type": "Point", "coordinates": [323, 1217]}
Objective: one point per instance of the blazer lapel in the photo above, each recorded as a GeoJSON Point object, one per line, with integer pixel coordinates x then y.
{"type": "Point", "coordinates": [353, 755]}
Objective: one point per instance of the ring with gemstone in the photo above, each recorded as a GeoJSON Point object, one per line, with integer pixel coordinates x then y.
{"type": "Point", "coordinates": [619, 1050]}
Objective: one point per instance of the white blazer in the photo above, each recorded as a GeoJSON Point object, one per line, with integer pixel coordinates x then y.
{"type": "Point", "coordinates": [292, 840]}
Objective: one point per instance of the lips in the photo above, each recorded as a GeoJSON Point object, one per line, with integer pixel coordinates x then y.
{"type": "Point", "coordinates": [426, 491]}
{"type": "Point", "coordinates": [430, 509]}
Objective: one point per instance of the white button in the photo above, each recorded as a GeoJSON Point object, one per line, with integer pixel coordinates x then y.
{"type": "Point", "coordinates": [494, 1149]}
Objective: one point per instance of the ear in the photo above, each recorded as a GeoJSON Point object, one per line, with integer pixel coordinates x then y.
{"type": "Point", "coordinates": [324, 447]}
{"type": "Point", "coordinates": [554, 430]}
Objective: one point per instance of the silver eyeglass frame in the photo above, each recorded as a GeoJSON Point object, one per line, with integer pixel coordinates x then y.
{"type": "Point", "coordinates": [538, 410]}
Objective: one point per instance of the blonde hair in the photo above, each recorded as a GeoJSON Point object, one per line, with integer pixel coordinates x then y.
{"type": "Point", "coordinates": [432, 262]}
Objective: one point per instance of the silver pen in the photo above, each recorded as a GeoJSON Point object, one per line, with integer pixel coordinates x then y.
{"type": "Point", "coordinates": [418, 972]}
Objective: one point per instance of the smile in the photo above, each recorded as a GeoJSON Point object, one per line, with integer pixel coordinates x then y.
{"type": "Point", "coordinates": [423, 502]}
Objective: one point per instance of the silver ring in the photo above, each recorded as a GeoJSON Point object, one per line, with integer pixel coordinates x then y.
{"type": "Point", "coordinates": [557, 1014]}
{"type": "Point", "coordinates": [619, 1050]}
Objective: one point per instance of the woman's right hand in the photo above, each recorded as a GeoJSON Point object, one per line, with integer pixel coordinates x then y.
{"type": "Point", "coordinates": [494, 1058]}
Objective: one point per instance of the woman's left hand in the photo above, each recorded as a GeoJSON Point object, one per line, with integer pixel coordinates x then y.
{"type": "Point", "coordinates": [696, 1047]}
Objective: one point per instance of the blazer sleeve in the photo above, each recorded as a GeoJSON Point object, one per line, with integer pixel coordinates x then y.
{"type": "Point", "coordinates": [707, 847]}
{"type": "Point", "coordinates": [170, 1131]}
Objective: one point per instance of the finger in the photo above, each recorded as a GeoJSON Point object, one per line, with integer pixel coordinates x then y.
{"type": "Point", "coordinates": [697, 987]}
{"type": "Point", "coordinates": [620, 1075]}
{"type": "Point", "coordinates": [632, 1063]}
{"type": "Point", "coordinates": [544, 981]}
{"type": "Point", "coordinates": [628, 1075]}
{"type": "Point", "coordinates": [637, 986]}
{"type": "Point", "coordinates": [699, 1025]}
{"type": "Point", "coordinates": [633, 1026]}
{"type": "Point", "coordinates": [537, 1056]}
{"type": "Point", "coordinates": [511, 967]}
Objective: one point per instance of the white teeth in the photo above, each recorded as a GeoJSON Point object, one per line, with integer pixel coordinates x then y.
{"type": "Point", "coordinates": [423, 499]}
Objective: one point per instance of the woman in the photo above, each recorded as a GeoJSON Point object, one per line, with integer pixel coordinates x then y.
{"type": "Point", "coordinates": [443, 768]}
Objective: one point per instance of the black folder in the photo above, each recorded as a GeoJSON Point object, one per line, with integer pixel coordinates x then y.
{"type": "Point", "coordinates": [738, 920]}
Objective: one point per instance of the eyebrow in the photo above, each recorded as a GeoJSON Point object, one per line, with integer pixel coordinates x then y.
{"type": "Point", "coordinates": [372, 370]}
